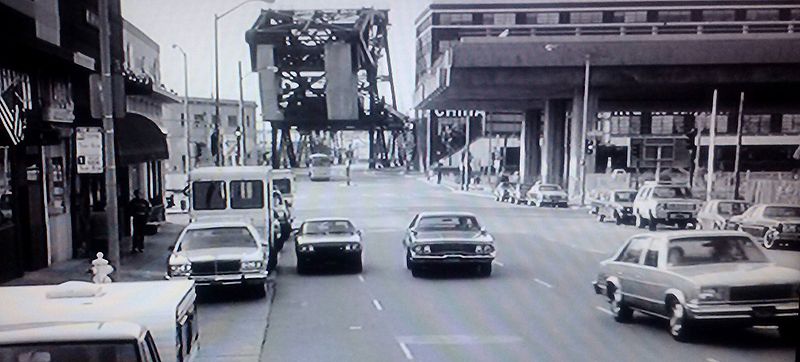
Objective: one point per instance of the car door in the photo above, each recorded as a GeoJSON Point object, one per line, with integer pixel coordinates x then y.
{"type": "Point", "coordinates": [407, 238]}
{"type": "Point", "coordinates": [750, 224]}
{"type": "Point", "coordinates": [652, 277]}
{"type": "Point", "coordinates": [629, 270]}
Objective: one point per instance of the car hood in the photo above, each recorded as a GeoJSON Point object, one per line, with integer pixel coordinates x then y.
{"type": "Point", "coordinates": [551, 193]}
{"type": "Point", "coordinates": [738, 274]}
{"type": "Point", "coordinates": [450, 236]}
{"type": "Point", "coordinates": [328, 238]}
{"type": "Point", "coordinates": [678, 201]}
{"type": "Point", "coordinates": [212, 254]}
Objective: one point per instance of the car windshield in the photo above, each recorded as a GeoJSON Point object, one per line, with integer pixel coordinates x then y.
{"type": "Point", "coordinates": [671, 192]}
{"type": "Point", "coordinates": [782, 211]}
{"type": "Point", "coordinates": [444, 223]}
{"type": "Point", "coordinates": [549, 188]}
{"type": "Point", "coordinates": [283, 185]}
{"type": "Point", "coordinates": [320, 161]}
{"type": "Point", "coordinates": [624, 196]}
{"type": "Point", "coordinates": [87, 351]}
{"type": "Point", "coordinates": [328, 227]}
{"type": "Point", "coordinates": [713, 250]}
{"type": "Point", "coordinates": [222, 237]}
{"type": "Point", "coordinates": [731, 208]}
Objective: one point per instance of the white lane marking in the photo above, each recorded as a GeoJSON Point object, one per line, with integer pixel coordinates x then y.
{"type": "Point", "coordinates": [765, 327]}
{"type": "Point", "coordinates": [495, 262]}
{"type": "Point", "coordinates": [604, 310]}
{"type": "Point", "coordinates": [355, 328]}
{"type": "Point", "coordinates": [458, 339]}
{"type": "Point", "coordinates": [377, 304]}
{"type": "Point", "coordinates": [542, 282]}
{"type": "Point", "coordinates": [709, 359]}
{"type": "Point", "coordinates": [406, 351]}
{"type": "Point", "coordinates": [361, 278]}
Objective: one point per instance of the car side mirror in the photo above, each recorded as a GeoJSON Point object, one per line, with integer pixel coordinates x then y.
{"type": "Point", "coordinates": [170, 248]}
{"type": "Point", "coordinates": [483, 230]}
{"type": "Point", "coordinates": [359, 232]}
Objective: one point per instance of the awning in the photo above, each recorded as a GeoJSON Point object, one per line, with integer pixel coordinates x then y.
{"type": "Point", "coordinates": [139, 139]}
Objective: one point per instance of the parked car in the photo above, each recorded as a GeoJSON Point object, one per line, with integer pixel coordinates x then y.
{"type": "Point", "coordinates": [283, 214]}
{"type": "Point", "coordinates": [773, 224]}
{"type": "Point", "coordinates": [220, 253]}
{"type": "Point", "coordinates": [325, 240]}
{"type": "Point", "coordinates": [547, 194]}
{"type": "Point", "coordinates": [616, 205]}
{"type": "Point", "coordinates": [714, 214]}
{"type": "Point", "coordinates": [503, 192]}
{"type": "Point", "coordinates": [697, 278]}
{"type": "Point", "coordinates": [448, 238]}
{"type": "Point", "coordinates": [519, 193]}
{"type": "Point", "coordinates": [665, 203]}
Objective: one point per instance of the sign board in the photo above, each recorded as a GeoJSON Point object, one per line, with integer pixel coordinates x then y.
{"type": "Point", "coordinates": [89, 149]}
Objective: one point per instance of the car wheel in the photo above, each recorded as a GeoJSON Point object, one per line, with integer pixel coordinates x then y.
{"type": "Point", "coordinates": [259, 290]}
{"type": "Point", "coordinates": [485, 269]}
{"type": "Point", "coordinates": [617, 218]}
{"type": "Point", "coordinates": [409, 263]}
{"type": "Point", "coordinates": [593, 211]}
{"type": "Point", "coordinates": [601, 217]}
{"type": "Point", "coordinates": [769, 239]}
{"type": "Point", "coordinates": [302, 268]}
{"type": "Point", "coordinates": [619, 310]}
{"type": "Point", "coordinates": [679, 327]}
{"type": "Point", "coordinates": [272, 261]}
{"type": "Point", "coordinates": [652, 225]}
{"type": "Point", "coordinates": [358, 265]}
{"type": "Point", "coordinates": [641, 223]}
{"type": "Point", "coordinates": [789, 331]}
{"type": "Point", "coordinates": [683, 226]}
{"type": "Point", "coordinates": [415, 272]}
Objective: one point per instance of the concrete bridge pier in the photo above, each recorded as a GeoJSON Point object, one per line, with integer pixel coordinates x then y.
{"type": "Point", "coordinates": [577, 141]}
{"type": "Point", "coordinates": [530, 152]}
{"type": "Point", "coordinates": [554, 151]}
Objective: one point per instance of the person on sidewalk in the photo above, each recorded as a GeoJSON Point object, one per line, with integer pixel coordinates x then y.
{"type": "Point", "coordinates": [139, 210]}
{"type": "Point", "coordinates": [439, 172]}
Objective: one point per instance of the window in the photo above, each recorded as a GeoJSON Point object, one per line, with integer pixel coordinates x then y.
{"type": "Point", "coordinates": [790, 124]}
{"type": "Point", "coordinates": [247, 194]}
{"type": "Point", "coordinates": [762, 14]}
{"type": "Point", "coordinates": [674, 16]}
{"type": "Point", "coordinates": [209, 195]}
{"type": "Point", "coordinates": [624, 196]}
{"type": "Point", "coordinates": [586, 17]}
{"type": "Point", "coordinates": [220, 237]}
{"type": "Point", "coordinates": [542, 18]}
{"type": "Point", "coordinates": [633, 252]}
{"type": "Point", "coordinates": [283, 185]}
{"type": "Point", "coordinates": [703, 122]}
{"type": "Point", "coordinates": [630, 16]}
{"type": "Point", "coordinates": [233, 121]}
{"type": "Point", "coordinates": [756, 124]}
{"type": "Point", "coordinates": [782, 211]}
{"type": "Point", "coordinates": [500, 19]}
{"type": "Point", "coordinates": [719, 15]}
{"type": "Point", "coordinates": [199, 117]}
{"type": "Point", "coordinates": [441, 223]}
{"type": "Point", "coordinates": [455, 19]}
{"type": "Point", "coordinates": [651, 258]}
{"type": "Point", "coordinates": [712, 250]}
{"type": "Point", "coordinates": [662, 124]}
{"type": "Point", "coordinates": [671, 192]}
{"type": "Point", "coordinates": [794, 14]}
{"type": "Point", "coordinates": [328, 227]}
{"type": "Point", "coordinates": [731, 208]}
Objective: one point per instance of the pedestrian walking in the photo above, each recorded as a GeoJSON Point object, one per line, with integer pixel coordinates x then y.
{"type": "Point", "coordinates": [439, 172]}
{"type": "Point", "coordinates": [139, 210]}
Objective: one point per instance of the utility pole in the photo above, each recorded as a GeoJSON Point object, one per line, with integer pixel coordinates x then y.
{"type": "Point", "coordinates": [110, 172]}
{"type": "Point", "coordinates": [466, 156]}
{"type": "Point", "coordinates": [188, 164]}
{"type": "Point", "coordinates": [737, 177]}
{"type": "Point", "coordinates": [243, 145]}
{"type": "Point", "coordinates": [712, 134]}
{"type": "Point", "coordinates": [220, 157]}
{"type": "Point", "coordinates": [584, 125]}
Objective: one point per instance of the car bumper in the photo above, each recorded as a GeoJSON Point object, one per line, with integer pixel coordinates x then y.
{"type": "Point", "coordinates": [598, 288]}
{"type": "Point", "coordinates": [785, 237]}
{"type": "Point", "coordinates": [225, 279]}
{"type": "Point", "coordinates": [451, 259]}
{"type": "Point", "coordinates": [326, 256]}
{"type": "Point", "coordinates": [754, 314]}
{"type": "Point", "coordinates": [676, 217]}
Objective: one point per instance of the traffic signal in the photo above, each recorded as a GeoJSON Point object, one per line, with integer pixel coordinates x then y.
{"type": "Point", "coordinates": [589, 146]}
{"type": "Point", "coordinates": [636, 152]}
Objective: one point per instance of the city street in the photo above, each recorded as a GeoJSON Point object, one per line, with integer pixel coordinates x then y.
{"type": "Point", "coordinates": [537, 305]}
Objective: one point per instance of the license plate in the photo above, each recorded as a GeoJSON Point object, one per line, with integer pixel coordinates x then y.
{"type": "Point", "coordinates": [763, 312]}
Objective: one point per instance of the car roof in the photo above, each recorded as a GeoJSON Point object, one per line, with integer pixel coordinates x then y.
{"type": "Point", "coordinates": [445, 213]}
{"type": "Point", "coordinates": [209, 224]}
{"type": "Point", "coordinates": [69, 332]}
{"type": "Point", "coordinates": [776, 205]}
{"type": "Point", "coordinates": [680, 234]}
{"type": "Point", "coordinates": [321, 219]}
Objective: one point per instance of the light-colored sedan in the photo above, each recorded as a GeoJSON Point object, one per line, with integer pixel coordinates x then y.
{"type": "Point", "coordinates": [547, 194]}
{"type": "Point", "coordinates": [714, 214]}
{"type": "Point", "coordinates": [324, 240]}
{"type": "Point", "coordinates": [699, 278]}
{"type": "Point", "coordinates": [774, 224]}
{"type": "Point", "coordinates": [448, 238]}
{"type": "Point", "coordinates": [220, 253]}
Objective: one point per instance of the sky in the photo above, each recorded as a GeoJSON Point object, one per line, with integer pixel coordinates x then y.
{"type": "Point", "coordinates": [190, 24]}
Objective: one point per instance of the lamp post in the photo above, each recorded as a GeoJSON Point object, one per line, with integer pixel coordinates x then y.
{"type": "Point", "coordinates": [188, 163]}
{"type": "Point", "coordinates": [217, 123]}
{"type": "Point", "coordinates": [584, 124]}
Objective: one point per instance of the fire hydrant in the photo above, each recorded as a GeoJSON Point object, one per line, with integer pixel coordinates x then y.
{"type": "Point", "coordinates": [101, 269]}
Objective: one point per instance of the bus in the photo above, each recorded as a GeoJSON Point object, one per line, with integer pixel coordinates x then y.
{"type": "Point", "coordinates": [236, 193]}
{"type": "Point", "coordinates": [320, 167]}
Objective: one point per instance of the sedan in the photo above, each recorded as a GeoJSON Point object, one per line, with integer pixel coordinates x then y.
{"type": "Point", "coordinates": [714, 215]}
{"type": "Point", "coordinates": [699, 278]}
{"type": "Point", "coordinates": [503, 192]}
{"type": "Point", "coordinates": [616, 205]}
{"type": "Point", "coordinates": [547, 194]}
{"type": "Point", "coordinates": [774, 224]}
{"type": "Point", "coordinates": [448, 238]}
{"type": "Point", "coordinates": [319, 241]}
{"type": "Point", "coordinates": [220, 253]}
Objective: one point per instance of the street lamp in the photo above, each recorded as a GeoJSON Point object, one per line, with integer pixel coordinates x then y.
{"type": "Point", "coordinates": [188, 163]}
{"type": "Point", "coordinates": [220, 156]}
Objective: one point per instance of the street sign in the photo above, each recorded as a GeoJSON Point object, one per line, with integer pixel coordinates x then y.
{"type": "Point", "coordinates": [89, 150]}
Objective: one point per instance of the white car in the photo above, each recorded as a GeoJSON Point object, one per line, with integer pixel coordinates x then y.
{"type": "Point", "coordinates": [668, 204]}
{"type": "Point", "coordinates": [547, 194]}
{"type": "Point", "coordinates": [220, 253]}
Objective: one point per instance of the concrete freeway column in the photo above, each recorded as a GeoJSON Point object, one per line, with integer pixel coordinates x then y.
{"type": "Point", "coordinates": [577, 141]}
{"type": "Point", "coordinates": [530, 153]}
{"type": "Point", "coordinates": [555, 123]}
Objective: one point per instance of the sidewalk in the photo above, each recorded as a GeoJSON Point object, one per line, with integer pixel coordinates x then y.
{"type": "Point", "coordinates": [451, 183]}
{"type": "Point", "coordinates": [150, 265]}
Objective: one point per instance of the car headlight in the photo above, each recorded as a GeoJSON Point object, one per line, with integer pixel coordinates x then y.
{"type": "Point", "coordinates": [307, 248]}
{"type": "Point", "coordinates": [426, 249]}
{"type": "Point", "coordinates": [180, 269]}
{"type": "Point", "coordinates": [660, 207]}
{"type": "Point", "coordinates": [252, 265]}
{"type": "Point", "coordinates": [484, 249]}
{"type": "Point", "coordinates": [352, 247]}
{"type": "Point", "coordinates": [712, 294]}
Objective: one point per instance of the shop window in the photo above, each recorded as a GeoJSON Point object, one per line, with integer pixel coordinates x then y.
{"type": "Point", "coordinates": [719, 15]}
{"type": "Point", "coordinates": [662, 124]}
{"type": "Point", "coordinates": [455, 19]}
{"type": "Point", "coordinates": [703, 122]}
{"type": "Point", "coordinates": [790, 124]}
{"type": "Point", "coordinates": [233, 121]}
{"type": "Point", "coordinates": [674, 16]}
{"type": "Point", "coordinates": [586, 17]}
{"type": "Point", "coordinates": [542, 18]}
{"type": "Point", "coordinates": [762, 14]}
{"type": "Point", "coordinates": [756, 124]}
{"type": "Point", "coordinates": [500, 19]}
{"type": "Point", "coordinates": [794, 14]}
{"type": "Point", "coordinates": [630, 16]}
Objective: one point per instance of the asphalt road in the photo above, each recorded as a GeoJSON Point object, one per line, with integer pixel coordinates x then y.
{"type": "Point", "coordinates": [537, 305]}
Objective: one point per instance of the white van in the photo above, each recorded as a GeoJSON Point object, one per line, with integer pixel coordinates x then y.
{"type": "Point", "coordinates": [241, 193]}
{"type": "Point", "coordinates": [64, 313]}
{"type": "Point", "coordinates": [319, 167]}
{"type": "Point", "coordinates": [284, 181]}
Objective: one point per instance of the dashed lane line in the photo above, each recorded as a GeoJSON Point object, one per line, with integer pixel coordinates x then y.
{"type": "Point", "coordinates": [361, 278]}
{"type": "Point", "coordinates": [604, 310]}
{"type": "Point", "coordinates": [406, 351]}
{"type": "Point", "coordinates": [495, 262]}
{"type": "Point", "coordinates": [709, 359]}
{"type": "Point", "coordinates": [542, 282]}
{"type": "Point", "coordinates": [377, 305]}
